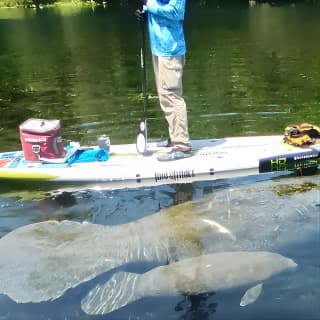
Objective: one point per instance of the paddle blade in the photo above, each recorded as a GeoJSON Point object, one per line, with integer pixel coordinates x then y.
{"type": "Point", "coordinates": [141, 141]}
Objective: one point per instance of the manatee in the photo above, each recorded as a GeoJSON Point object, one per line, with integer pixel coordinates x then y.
{"type": "Point", "coordinates": [39, 262]}
{"type": "Point", "coordinates": [206, 273]}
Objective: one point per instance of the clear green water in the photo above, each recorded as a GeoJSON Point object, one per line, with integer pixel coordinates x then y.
{"type": "Point", "coordinates": [249, 71]}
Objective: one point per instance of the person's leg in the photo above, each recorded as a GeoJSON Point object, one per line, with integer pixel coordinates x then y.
{"type": "Point", "coordinates": [167, 142]}
{"type": "Point", "coordinates": [169, 85]}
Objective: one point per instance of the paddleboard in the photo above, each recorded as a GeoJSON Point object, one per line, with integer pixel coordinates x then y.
{"type": "Point", "coordinates": [212, 159]}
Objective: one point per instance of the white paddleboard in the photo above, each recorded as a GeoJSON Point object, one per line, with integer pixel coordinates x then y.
{"type": "Point", "coordinates": [212, 159]}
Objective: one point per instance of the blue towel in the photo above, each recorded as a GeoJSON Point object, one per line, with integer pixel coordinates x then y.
{"type": "Point", "coordinates": [89, 155]}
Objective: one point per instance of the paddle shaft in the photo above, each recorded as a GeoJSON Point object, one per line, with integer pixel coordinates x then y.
{"type": "Point", "coordinates": [143, 69]}
{"type": "Point", "coordinates": [141, 141]}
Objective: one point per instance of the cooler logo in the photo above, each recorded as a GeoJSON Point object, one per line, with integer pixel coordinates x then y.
{"type": "Point", "coordinates": [36, 148]}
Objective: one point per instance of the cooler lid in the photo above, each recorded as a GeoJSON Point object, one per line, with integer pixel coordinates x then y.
{"type": "Point", "coordinates": [40, 125]}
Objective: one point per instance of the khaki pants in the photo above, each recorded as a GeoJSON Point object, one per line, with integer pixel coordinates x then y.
{"type": "Point", "coordinates": [168, 75]}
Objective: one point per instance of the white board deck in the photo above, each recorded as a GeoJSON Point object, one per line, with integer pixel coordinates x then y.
{"type": "Point", "coordinates": [212, 159]}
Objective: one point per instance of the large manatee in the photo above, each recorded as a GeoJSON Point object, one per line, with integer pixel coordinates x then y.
{"type": "Point", "coordinates": [39, 262]}
{"type": "Point", "coordinates": [200, 274]}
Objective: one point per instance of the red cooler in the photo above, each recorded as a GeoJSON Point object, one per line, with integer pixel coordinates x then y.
{"type": "Point", "coordinates": [41, 138]}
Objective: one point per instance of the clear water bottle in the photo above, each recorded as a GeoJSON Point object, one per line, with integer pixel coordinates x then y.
{"type": "Point", "coordinates": [104, 142]}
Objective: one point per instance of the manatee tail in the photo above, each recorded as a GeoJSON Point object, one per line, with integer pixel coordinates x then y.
{"type": "Point", "coordinates": [118, 291]}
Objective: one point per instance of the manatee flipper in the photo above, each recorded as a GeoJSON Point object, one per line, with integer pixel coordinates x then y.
{"type": "Point", "coordinates": [251, 295]}
{"type": "Point", "coordinates": [117, 292]}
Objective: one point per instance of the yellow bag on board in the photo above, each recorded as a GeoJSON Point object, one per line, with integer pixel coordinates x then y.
{"type": "Point", "coordinates": [303, 134]}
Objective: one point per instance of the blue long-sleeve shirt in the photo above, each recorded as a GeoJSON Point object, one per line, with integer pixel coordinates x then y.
{"type": "Point", "coordinates": [165, 23]}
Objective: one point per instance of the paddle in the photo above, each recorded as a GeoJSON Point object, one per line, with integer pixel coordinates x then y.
{"type": "Point", "coordinates": [141, 141]}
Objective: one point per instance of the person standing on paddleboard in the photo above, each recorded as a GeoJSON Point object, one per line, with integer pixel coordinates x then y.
{"type": "Point", "coordinates": [168, 48]}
